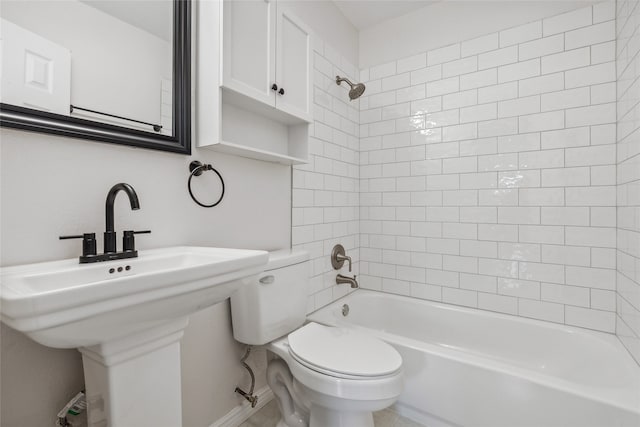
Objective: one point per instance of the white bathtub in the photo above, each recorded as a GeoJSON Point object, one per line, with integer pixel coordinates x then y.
{"type": "Point", "coordinates": [466, 367]}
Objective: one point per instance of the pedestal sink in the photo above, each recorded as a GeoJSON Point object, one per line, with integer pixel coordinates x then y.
{"type": "Point", "coordinates": [126, 317]}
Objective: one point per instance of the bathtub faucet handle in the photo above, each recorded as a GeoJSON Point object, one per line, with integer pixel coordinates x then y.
{"type": "Point", "coordinates": [338, 257]}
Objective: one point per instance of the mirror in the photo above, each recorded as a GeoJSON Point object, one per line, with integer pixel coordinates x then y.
{"type": "Point", "coordinates": [103, 70]}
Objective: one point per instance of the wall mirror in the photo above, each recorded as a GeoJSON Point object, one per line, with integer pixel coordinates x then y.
{"type": "Point", "coordinates": [102, 70]}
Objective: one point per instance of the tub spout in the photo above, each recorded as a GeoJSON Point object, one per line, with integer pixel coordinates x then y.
{"type": "Point", "coordinates": [340, 279]}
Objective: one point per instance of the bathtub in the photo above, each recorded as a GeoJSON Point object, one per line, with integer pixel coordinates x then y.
{"type": "Point", "coordinates": [467, 367]}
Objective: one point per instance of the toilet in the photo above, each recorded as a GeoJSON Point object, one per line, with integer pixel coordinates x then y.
{"type": "Point", "coordinates": [321, 376]}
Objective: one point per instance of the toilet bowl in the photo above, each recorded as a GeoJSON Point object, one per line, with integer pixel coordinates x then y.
{"type": "Point", "coordinates": [321, 376]}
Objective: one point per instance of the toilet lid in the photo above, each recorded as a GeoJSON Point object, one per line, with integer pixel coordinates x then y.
{"type": "Point", "coordinates": [343, 351]}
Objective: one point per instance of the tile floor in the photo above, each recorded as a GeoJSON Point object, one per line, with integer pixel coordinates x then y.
{"type": "Point", "coordinates": [269, 416]}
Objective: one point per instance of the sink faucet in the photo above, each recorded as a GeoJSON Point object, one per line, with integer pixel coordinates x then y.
{"type": "Point", "coordinates": [340, 279]}
{"type": "Point", "coordinates": [110, 234]}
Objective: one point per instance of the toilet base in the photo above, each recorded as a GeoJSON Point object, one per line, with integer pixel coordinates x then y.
{"type": "Point", "coordinates": [323, 417]}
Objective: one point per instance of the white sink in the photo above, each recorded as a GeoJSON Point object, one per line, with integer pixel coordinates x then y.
{"type": "Point", "coordinates": [127, 324]}
{"type": "Point", "coordinates": [65, 304]}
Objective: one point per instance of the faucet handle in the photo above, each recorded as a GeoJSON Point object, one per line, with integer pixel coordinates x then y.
{"type": "Point", "coordinates": [128, 242]}
{"type": "Point", "coordinates": [88, 242]}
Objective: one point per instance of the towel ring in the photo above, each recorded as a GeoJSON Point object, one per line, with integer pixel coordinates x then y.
{"type": "Point", "coordinates": [196, 169]}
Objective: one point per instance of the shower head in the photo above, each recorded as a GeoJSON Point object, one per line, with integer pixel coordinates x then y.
{"type": "Point", "coordinates": [356, 89]}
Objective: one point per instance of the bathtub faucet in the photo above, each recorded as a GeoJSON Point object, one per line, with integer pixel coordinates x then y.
{"type": "Point", "coordinates": [340, 279]}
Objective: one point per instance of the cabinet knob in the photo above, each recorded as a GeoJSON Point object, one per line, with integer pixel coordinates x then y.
{"type": "Point", "coordinates": [281, 91]}
{"type": "Point", "coordinates": [274, 87]}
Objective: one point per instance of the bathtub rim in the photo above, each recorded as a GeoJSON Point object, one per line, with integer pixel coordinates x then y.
{"type": "Point", "coordinates": [622, 399]}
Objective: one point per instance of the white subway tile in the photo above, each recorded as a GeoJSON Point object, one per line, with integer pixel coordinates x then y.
{"type": "Point", "coordinates": [475, 282]}
{"type": "Point", "coordinates": [567, 21]}
{"type": "Point", "coordinates": [427, 105]}
{"type": "Point", "coordinates": [592, 115]}
{"type": "Point", "coordinates": [541, 310]}
{"type": "Point", "coordinates": [591, 196]}
{"type": "Point", "coordinates": [566, 60]}
{"type": "Point", "coordinates": [518, 143]}
{"type": "Point", "coordinates": [603, 52]}
{"type": "Point", "coordinates": [519, 215]}
{"type": "Point", "coordinates": [478, 113]}
{"type": "Point", "coordinates": [441, 87]}
{"type": "Point", "coordinates": [498, 197]}
{"type": "Point", "coordinates": [411, 93]}
{"type": "Point", "coordinates": [498, 92]}
{"type": "Point", "coordinates": [427, 74]}
{"type": "Point", "coordinates": [478, 249]}
{"type": "Point", "coordinates": [478, 147]}
{"type": "Point", "coordinates": [562, 294]}
{"type": "Point", "coordinates": [460, 99]}
{"type": "Point", "coordinates": [411, 63]}
{"type": "Point", "coordinates": [460, 264]}
{"type": "Point", "coordinates": [566, 177]}
{"type": "Point", "coordinates": [541, 122]}
{"type": "Point", "coordinates": [568, 255]}
{"type": "Point", "coordinates": [382, 70]}
{"type": "Point", "coordinates": [518, 288]}
{"type": "Point", "coordinates": [478, 180]}
{"type": "Point", "coordinates": [591, 319]}
{"type": "Point", "coordinates": [542, 84]}
{"type": "Point", "coordinates": [479, 79]}
{"type": "Point", "coordinates": [508, 126]}
{"type": "Point", "coordinates": [594, 74]}
{"type": "Point", "coordinates": [396, 81]}
{"type": "Point", "coordinates": [604, 11]}
{"type": "Point", "coordinates": [498, 162]}
{"type": "Point", "coordinates": [480, 44]}
{"type": "Point", "coordinates": [395, 111]}
{"type": "Point", "coordinates": [603, 300]}
{"type": "Point", "coordinates": [603, 93]}
{"type": "Point", "coordinates": [541, 196]}
{"type": "Point", "coordinates": [566, 99]}
{"type": "Point", "coordinates": [591, 236]}
{"type": "Point", "coordinates": [603, 216]}
{"type": "Point", "coordinates": [598, 278]}
{"type": "Point", "coordinates": [460, 132]}
{"type": "Point", "coordinates": [444, 54]}
{"type": "Point", "coordinates": [459, 165]}
{"type": "Point", "coordinates": [497, 232]}
{"type": "Point", "coordinates": [521, 34]}
{"type": "Point", "coordinates": [460, 66]}
{"type": "Point", "coordinates": [519, 71]}
{"type": "Point", "coordinates": [507, 55]}
{"type": "Point", "coordinates": [497, 267]}
{"type": "Point", "coordinates": [442, 118]}
{"type": "Point", "coordinates": [519, 179]}
{"type": "Point", "coordinates": [593, 34]}
{"type": "Point", "coordinates": [541, 272]}
{"type": "Point", "coordinates": [541, 234]}
{"type": "Point", "coordinates": [541, 47]}
{"type": "Point", "coordinates": [460, 297]}
{"type": "Point", "coordinates": [574, 137]}
{"type": "Point", "coordinates": [499, 303]}
{"type": "Point", "coordinates": [519, 107]}
{"type": "Point", "coordinates": [565, 216]}
{"type": "Point", "coordinates": [479, 215]}
{"type": "Point", "coordinates": [590, 156]}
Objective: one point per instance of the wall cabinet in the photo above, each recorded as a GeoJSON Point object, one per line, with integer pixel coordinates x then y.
{"type": "Point", "coordinates": [259, 55]}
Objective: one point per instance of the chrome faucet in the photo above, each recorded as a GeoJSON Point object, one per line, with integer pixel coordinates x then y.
{"type": "Point", "coordinates": [110, 234]}
{"type": "Point", "coordinates": [340, 279]}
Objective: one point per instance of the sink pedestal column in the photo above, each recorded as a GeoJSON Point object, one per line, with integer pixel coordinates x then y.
{"type": "Point", "coordinates": [135, 380]}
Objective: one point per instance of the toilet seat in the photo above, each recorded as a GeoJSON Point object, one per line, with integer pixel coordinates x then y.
{"type": "Point", "coordinates": [343, 353]}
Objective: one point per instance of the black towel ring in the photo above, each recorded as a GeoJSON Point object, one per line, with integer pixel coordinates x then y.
{"type": "Point", "coordinates": [196, 169]}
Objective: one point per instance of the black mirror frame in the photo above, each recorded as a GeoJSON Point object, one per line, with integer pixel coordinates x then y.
{"type": "Point", "coordinates": [16, 117]}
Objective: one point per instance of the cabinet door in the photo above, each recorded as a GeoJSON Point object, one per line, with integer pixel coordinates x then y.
{"type": "Point", "coordinates": [293, 66]}
{"type": "Point", "coordinates": [249, 48]}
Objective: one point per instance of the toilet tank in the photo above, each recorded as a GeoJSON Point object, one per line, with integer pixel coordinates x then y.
{"type": "Point", "coordinates": [276, 303]}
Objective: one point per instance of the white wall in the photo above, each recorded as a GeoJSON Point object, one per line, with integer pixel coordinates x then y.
{"type": "Point", "coordinates": [110, 58]}
{"type": "Point", "coordinates": [488, 171]}
{"type": "Point", "coordinates": [65, 194]}
{"type": "Point", "coordinates": [628, 268]}
{"type": "Point", "coordinates": [447, 22]}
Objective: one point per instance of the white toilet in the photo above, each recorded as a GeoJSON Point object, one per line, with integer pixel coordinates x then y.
{"type": "Point", "coordinates": [321, 376]}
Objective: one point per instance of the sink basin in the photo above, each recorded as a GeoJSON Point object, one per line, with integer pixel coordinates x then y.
{"type": "Point", "coordinates": [65, 304]}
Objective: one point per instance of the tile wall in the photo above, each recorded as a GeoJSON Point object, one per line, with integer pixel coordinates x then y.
{"type": "Point", "coordinates": [488, 172]}
{"type": "Point", "coordinates": [325, 205]}
{"type": "Point", "coordinates": [628, 256]}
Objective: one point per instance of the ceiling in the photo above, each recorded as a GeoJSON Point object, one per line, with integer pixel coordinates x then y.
{"type": "Point", "coordinates": [366, 13]}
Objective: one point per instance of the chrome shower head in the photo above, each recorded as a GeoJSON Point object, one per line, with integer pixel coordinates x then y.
{"type": "Point", "coordinates": [356, 89]}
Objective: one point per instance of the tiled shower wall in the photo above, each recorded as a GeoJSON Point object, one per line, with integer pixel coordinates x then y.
{"type": "Point", "coordinates": [628, 256]}
{"type": "Point", "coordinates": [488, 172]}
{"type": "Point", "coordinates": [325, 191]}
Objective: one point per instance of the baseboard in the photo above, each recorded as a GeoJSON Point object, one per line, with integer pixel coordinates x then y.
{"type": "Point", "coordinates": [242, 412]}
